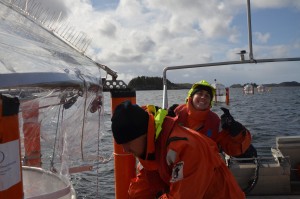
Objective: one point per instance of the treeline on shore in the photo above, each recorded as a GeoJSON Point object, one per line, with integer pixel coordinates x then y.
{"type": "Point", "coordinates": [156, 83]}
{"type": "Point", "coordinates": [282, 84]}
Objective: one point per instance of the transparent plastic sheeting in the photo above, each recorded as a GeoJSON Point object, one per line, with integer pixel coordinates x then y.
{"type": "Point", "coordinates": [60, 93]}
{"type": "Point", "coordinates": [33, 54]}
{"type": "Point", "coordinates": [66, 124]}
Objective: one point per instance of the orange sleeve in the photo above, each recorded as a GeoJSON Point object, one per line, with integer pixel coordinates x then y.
{"type": "Point", "coordinates": [146, 185]}
{"type": "Point", "coordinates": [234, 146]}
{"type": "Point", "coordinates": [191, 170]}
{"type": "Point", "coordinates": [198, 170]}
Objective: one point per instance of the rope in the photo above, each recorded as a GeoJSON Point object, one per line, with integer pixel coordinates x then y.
{"type": "Point", "coordinates": [253, 182]}
{"type": "Point", "coordinates": [98, 150]}
{"type": "Point", "coordinates": [83, 121]}
{"type": "Point", "coordinates": [55, 139]}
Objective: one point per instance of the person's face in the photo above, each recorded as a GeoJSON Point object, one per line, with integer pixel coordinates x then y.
{"type": "Point", "coordinates": [136, 147]}
{"type": "Point", "coordinates": [201, 100]}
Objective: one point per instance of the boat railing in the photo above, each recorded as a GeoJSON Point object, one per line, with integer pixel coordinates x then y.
{"type": "Point", "coordinates": [242, 53]}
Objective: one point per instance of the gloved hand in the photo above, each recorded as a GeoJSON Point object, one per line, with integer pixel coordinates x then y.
{"type": "Point", "coordinates": [228, 123]}
{"type": "Point", "coordinates": [171, 112]}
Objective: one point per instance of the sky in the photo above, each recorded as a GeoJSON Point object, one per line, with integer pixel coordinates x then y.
{"type": "Point", "coordinates": [142, 37]}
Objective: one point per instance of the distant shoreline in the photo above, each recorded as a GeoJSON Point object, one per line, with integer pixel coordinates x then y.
{"type": "Point", "coordinates": [156, 83]}
{"type": "Point", "coordinates": [282, 84]}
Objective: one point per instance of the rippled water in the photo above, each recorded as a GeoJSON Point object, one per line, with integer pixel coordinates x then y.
{"type": "Point", "coordinates": [266, 115]}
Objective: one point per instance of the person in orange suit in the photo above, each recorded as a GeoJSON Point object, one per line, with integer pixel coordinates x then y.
{"type": "Point", "coordinates": [230, 135]}
{"type": "Point", "coordinates": [175, 162]}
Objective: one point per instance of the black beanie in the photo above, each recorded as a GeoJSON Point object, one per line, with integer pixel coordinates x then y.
{"type": "Point", "coordinates": [129, 122]}
{"type": "Point", "coordinates": [201, 87]}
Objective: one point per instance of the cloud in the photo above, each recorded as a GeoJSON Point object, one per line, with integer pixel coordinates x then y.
{"type": "Point", "coordinates": [107, 28]}
{"type": "Point", "coordinates": [262, 38]}
{"type": "Point", "coordinates": [51, 5]}
{"type": "Point", "coordinates": [142, 37]}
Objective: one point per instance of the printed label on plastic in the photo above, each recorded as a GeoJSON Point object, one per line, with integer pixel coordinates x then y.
{"type": "Point", "coordinates": [9, 164]}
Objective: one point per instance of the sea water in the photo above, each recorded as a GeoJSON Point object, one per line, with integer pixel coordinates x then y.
{"type": "Point", "coordinates": [266, 115]}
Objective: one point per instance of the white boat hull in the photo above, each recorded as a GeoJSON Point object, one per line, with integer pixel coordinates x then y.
{"type": "Point", "coordinates": [278, 175]}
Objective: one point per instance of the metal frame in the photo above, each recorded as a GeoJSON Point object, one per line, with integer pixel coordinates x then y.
{"type": "Point", "coordinates": [242, 60]}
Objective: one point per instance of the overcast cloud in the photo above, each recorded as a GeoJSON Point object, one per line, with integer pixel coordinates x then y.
{"type": "Point", "coordinates": [141, 37]}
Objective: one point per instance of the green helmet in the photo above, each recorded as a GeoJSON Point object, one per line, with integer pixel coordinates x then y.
{"type": "Point", "coordinates": [203, 85]}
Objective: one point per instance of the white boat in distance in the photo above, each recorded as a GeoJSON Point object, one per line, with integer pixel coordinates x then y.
{"type": "Point", "coordinates": [262, 89]}
{"type": "Point", "coordinates": [248, 89]}
{"type": "Point", "coordinates": [222, 93]}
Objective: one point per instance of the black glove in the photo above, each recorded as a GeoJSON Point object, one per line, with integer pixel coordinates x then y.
{"type": "Point", "coordinates": [251, 152]}
{"type": "Point", "coordinates": [171, 112]}
{"type": "Point", "coordinates": [228, 123]}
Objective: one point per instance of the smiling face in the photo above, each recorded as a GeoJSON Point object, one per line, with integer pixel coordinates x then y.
{"type": "Point", "coordinates": [201, 100]}
{"type": "Point", "coordinates": [136, 147]}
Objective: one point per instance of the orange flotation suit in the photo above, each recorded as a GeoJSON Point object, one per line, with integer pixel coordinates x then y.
{"type": "Point", "coordinates": [233, 146]}
{"type": "Point", "coordinates": [185, 164]}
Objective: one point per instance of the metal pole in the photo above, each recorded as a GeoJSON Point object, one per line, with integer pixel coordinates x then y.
{"type": "Point", "coordinates": [165, 96]}
{"type": "Point", "coordinates": [165, 93]}
{"type": "Point", "coordinates": [249, 31]}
